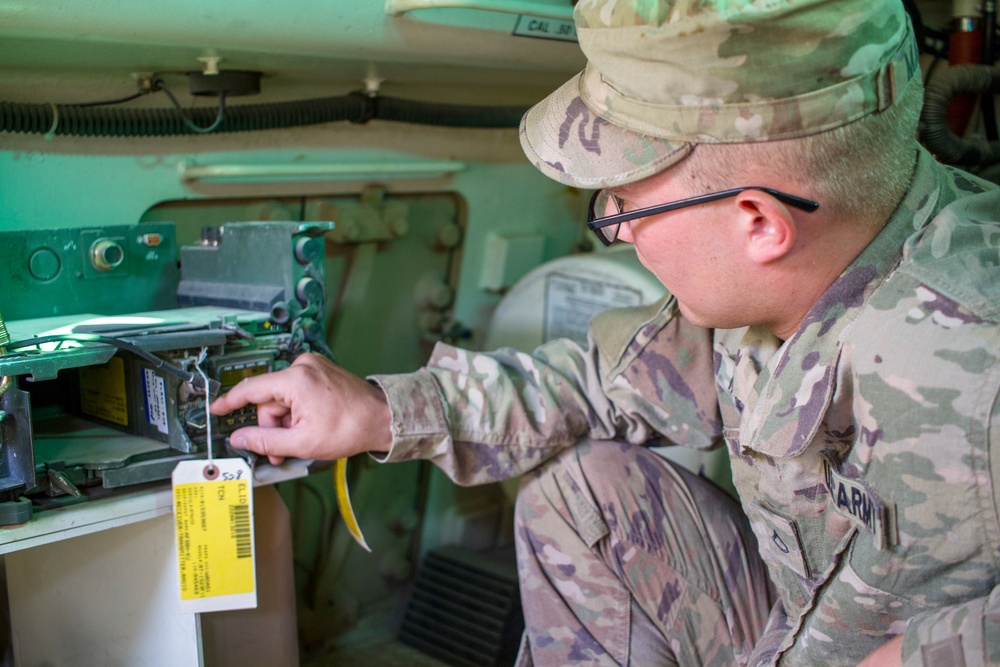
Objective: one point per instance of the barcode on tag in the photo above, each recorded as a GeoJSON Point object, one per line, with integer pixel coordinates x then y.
{"type": "Point", "coordinates": [239, 522]}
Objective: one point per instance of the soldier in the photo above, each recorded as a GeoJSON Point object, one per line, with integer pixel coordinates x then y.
{"type": "Point", "coordinates": [832, 319]}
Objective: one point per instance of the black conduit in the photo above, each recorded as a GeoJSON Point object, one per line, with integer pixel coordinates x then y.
{"type": "Point", "coordinates": [986, 105]}
{"type": "Point", "coordinates": [934, 130]}
{"type": "Point", "coordinates": [78, 120]}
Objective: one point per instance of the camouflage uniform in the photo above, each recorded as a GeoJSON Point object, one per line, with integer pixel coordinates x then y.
{"type": "Point", "coordinates": [860, 447]}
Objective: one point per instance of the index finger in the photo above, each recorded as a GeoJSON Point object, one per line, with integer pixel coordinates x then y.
{"type": "Point", "coordinates": [258, 389]}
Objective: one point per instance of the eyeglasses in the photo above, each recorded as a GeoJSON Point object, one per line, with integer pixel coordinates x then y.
{"type": "Point", "coordinates": [606, 226]}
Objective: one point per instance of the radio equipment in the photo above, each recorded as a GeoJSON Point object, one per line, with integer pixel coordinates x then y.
{"type": "Point", "coordinates": [95, 398]}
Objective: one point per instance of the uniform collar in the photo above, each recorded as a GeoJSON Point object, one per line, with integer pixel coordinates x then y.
{"type": "Point", "coordinates": [786, 388]}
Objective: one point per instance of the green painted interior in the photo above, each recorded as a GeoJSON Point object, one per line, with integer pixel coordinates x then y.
{"type": "Point", "coordinates": [404, 510]}
{"type": "Point", "coordinates": [57, 51]}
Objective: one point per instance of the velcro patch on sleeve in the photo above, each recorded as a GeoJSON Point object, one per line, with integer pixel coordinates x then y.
{"type": "Point", "coordinates": [855, 500]}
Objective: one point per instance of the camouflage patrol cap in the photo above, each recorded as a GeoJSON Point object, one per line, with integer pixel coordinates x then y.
{"type": "Point", "coordinates": [663, 75]}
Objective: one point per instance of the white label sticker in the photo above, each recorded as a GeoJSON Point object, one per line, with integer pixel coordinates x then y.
{"type": "Point", "coordinates": [156, 399]}
{"type": "Point", "coordinates": [545, 28]}
{"type": "Point", "coordinates": [571, 302]}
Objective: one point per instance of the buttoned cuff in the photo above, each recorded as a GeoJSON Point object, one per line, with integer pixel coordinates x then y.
{"type": "Point", "coordinates": [418, 418]}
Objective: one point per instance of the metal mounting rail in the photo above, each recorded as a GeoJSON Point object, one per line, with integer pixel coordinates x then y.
{"type": "Point", "coordinates": [543, 10]}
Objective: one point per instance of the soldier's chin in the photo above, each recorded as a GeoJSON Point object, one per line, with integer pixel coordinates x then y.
{"type": "Point", "coordinates": [706, 321]}
{"type": "Point", "coordinates": [692, 316]}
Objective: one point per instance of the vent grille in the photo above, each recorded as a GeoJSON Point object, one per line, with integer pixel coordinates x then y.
{"type": "Point", "coordinates": [465, 609]}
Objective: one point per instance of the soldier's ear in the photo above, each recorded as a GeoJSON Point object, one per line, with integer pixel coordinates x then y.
{"type": "Point", "coordinates": [768, 226]}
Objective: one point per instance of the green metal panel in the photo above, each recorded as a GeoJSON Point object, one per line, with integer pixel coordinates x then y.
{"type": "Point", "coordinates": [108, 270]}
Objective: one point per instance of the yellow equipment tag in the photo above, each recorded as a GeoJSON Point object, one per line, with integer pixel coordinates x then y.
{"type": "Point", "coordinates": [213, 512]}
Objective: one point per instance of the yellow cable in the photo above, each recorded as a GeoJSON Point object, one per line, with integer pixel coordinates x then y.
{"type": "Point", "coordinates": [344, 503]}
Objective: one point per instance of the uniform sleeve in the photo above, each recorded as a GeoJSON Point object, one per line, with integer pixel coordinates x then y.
{"type": "Point", "coordinates": [483, 417]}
{"type": "Point", "coordinates": [967, 634]}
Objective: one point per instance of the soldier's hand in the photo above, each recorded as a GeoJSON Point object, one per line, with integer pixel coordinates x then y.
{"type": "Point", "coordinates": [889, 654]}
{"type": "Point", "coordinates": [314, 409]}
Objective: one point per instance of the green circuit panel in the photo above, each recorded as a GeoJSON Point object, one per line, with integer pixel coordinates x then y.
{"type": "Point", "coordinates": [110, 270]}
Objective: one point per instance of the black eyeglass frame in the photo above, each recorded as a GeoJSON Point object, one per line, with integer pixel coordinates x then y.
{"type": "Point", "coordinates": [596, 224]}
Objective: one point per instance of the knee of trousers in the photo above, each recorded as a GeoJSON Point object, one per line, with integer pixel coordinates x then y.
{"type": "Point", "coordinates": [610, 512]}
